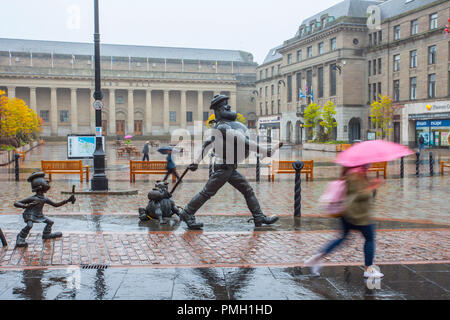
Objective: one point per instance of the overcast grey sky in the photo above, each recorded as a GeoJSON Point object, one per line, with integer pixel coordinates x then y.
{"type": "Point", "coordinates": [250, 25]}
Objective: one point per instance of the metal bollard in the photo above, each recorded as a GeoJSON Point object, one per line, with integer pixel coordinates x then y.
{"type": "Point", "coordinates": [402, 167]}
{"type": "Point", "coordinates": [417, 163]}
{"type": "Point", "coordinates": [298, 166]}
{"type": "Point", "coordinates": [431, 164]}
{"type": "Point", "coordinates": [3, 238]}
{"type": "Point", "coordinates": [16, 164]}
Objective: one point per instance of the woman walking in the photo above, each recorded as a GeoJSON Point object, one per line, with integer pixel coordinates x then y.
{"type": "Point", "coordinates": [171, 168]}
{"type": "Point", "coordinates": [356, 216]}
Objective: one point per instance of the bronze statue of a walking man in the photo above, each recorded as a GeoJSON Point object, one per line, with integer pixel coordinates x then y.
{"type": "Point", "coordinates": [229, 134]}
{"type": "Point", "coordinates": [33, 209]}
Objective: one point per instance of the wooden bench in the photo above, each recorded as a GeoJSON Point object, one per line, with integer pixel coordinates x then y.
{"type": "Point", "coordinates": [65, 167]}
{"type": "Point", "coordinates": [378, 167]}
{"type": "Point", "coordinates": [148, 167]}
{"type": "Point", "coordinates": [278, 167]}
{"type": "Point", "coordinates": [342, 147]}
{"type": "Point", "coordinates": [444, 164]}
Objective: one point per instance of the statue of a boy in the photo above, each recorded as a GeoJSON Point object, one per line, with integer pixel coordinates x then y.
{"type": "Point", "coordinates": [33, 209]}
{"type": "Point", "coordinates": [160, 205]}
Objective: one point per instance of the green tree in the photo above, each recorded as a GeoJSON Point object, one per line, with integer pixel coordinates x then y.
{"type": "Point", "coordinates": [313, 117]}
{"type": "Point", "coordinates": [381, 114]}
{"type": "Point", "coordinates": [328, 122]}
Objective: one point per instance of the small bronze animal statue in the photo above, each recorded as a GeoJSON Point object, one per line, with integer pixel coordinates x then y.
{"type": "Point", "coordinates": [160, 204]}
{"type": "Point", "coordinates": [33, 209]}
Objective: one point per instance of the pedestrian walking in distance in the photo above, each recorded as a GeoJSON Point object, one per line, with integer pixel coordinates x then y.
{"type": "Point", "coordinates": [421, 143]}
{"type": "Point", "coordinates": [355, 216]}
{"type": "Point", "coordinates": [171, 168]}
{"type": "Point", "coordinates": [146, 151]}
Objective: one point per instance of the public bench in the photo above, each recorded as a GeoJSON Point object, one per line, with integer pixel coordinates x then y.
{"type": "Point", "coordinates": [148, 167]}
{"type": "Point", "coordinates": [278, 167]}
{"type": "Point", "coordinates": [444, 164]}
{"type": "Point", "coordinates": [342, 147]}
{"type": "Point", "coordinates": [379, 167]}
{"type": "Point", "coordinates": [65, 167]}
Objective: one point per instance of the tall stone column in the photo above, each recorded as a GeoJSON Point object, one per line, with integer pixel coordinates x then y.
{"type": "Point", "coordinates": [11, 92]}
{"type": "Point", "coordinates": [233, 100]}
{"type": "Point", "coordinates": [148, 112]}
{"type": "Point", "coordinates": [200, 106]}
{"type": "Point", "coordinates": [112, 112]}
{"type": "Point", "coordinates": [92, 110]}
{"type": "Point", "coordinates": [33, 99]}
{"type": "Point", "coordinates": [130, 127]}
{"type": "Point", "coordinates": [53, 112]}
{"type": "Point", "coordinates": [166, 111]}
{"type": "Point", "coordinates": [73, 110]}
{"type": "Point", "coordinates": [183, 109]}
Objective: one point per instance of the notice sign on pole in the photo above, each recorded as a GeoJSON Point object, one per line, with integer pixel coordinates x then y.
{"type": "Point", "coordinates": [81, 146]}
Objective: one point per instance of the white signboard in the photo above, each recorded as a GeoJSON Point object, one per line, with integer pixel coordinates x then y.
{"type": "Point", "coordinates": [81, 146]}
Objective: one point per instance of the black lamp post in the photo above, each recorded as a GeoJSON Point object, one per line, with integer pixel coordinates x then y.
{"type": "Point", "coordinates": [99, 181]}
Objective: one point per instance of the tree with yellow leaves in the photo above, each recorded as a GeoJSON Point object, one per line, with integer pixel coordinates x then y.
{"type": "Point", "coordinates": [17, 119]}
{"type": "Point", "coordinates": [382, 113]}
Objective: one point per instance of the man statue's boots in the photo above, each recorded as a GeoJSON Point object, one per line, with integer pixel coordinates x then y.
{"type": "Point", "coordinates": [47, 233]}
{"type": "Point", "coordinates": [260, 219]}
{"type": "Point", "coordinates": [190, 221]}
{"type": "Point", "coordinates": [20, 241]}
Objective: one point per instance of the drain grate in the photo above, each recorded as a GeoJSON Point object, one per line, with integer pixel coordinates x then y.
{"type": "Point", "coordinates": [94, 266]}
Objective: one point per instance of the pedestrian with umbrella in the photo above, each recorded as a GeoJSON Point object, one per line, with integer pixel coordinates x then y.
{"type": "Point", "coordinates": [171, 167]}
{"type": "Point", "coordinates": [146, 151]}
{"type": "Point", "coordinates": [357, 197]}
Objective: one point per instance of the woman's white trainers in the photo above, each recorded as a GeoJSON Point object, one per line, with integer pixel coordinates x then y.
{"type": "Point", "coordinates": [373, 272]}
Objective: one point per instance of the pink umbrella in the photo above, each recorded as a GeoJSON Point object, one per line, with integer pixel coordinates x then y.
{"type": "Point", "coordinates": [370, 152]}
{"type": "Point", "coordinates": [128, 137]}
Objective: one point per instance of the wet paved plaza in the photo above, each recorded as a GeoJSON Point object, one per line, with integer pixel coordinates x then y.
{"type": "Point", "coordinates": [229, 259]}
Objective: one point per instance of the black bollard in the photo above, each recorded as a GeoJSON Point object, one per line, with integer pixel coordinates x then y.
{"type": "Point", "coordinates": [298, 166]}
{"type": "Point", "coordinates": [431, 164]}
{"type": "Point", "coordinates": [16, 164]}
{"type": "Point", "coordinates": [402, 167]}
{"type": "Point", "coordinates": [3, 238]}
{"type": "Point", "coordinates": [417, 163]}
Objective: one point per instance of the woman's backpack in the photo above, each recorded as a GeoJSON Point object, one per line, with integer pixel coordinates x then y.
{"type": "Point", "coordinates": [333, 200]}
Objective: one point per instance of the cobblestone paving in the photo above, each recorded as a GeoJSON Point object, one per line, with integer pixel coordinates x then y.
{"type": "Point", "coordinates": [203, 249]}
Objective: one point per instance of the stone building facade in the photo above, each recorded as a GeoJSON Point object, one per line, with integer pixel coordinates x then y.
{"type": "Point", "coordinates": [148, 91]}
{"type": "Point", "coordinates": [340, 58]}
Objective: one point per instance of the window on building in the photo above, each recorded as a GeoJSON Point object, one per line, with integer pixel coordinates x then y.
{"type": "Point", "coordinates": [310, 54]}
{"type": "Point", "coordinates": [413, 59]}
{"type": "Point", "coordinates": [323, 22]}
{"type": "Point", "coordinates": [189, 117]}
{"type": "Point", "coordinates": [320, 47]}
{"type": "Point", "coordinates": [279, 106]}
{"type": "Point", "coordinates": [260, 75]}
{"type": "Point", "coordinates": [205, 116]}
{"type": "Point", "coordinates": [370, 68]}
{"type": "Point", "coordinates": [397, 33]}
{"type": "Point", "coordinates": [320, 78]}
{"type": "Point", "coordinates": [309, 82]}
{"type": "Point", "coordinates": [279, 89]}
{"type": "Point", "coordinates": [289, 58]}
{"type": "Point", "coordinates": [266, 73]}
{"type": "Point", "coordinates": [370, 39]}
{"type": "Point", "coordinates": [396, 62]}
{"type": "Point", "coordinates": [260, 92]}
{"type": "Point", "coordinates": [379, 89]}
{"type": "Point", "coordinates": [64, 116]}
{"type": "Point", "coordinates": [432, 55]}
{"type": "Point", "coordinates": [299, 55]}
{"type": "Point", "coordinates": [266, 91]}
{"type": "Point", "coordinates": [333, 44]}
{"type": "Point", "coordinates": [432, 85]}
{"type": "Point", "coordinates": [414, 27]}
{"type": "Point", "coordinates": [289, 89]}
{"type": "Point", "coordinates": [279, 68]}
{"type": "Point", "coordinates": [173, 116]}
{"type": "Point", "coordinates": [379, 66]}
{"type": "Point", "coordinates": [374, 66]}
{"type": "Point", "coordinates": [370, 94]}
{"type": "Point", "coordinates": [433, 21]}
{"type": "Point", "coordinates": [267, 108]}
{"type": "Point", "coordinates": [272, 105]}
{"type": "Point", "coordinates": [380, 36]}
{"type": "Point", "coordinates": [299, 85]}
{"type": "Point", "coordinates": [413, 88]}
{"type": "Point", "coordinates": [260, 109]}
{"type": "Point", "coordinates": [333, 80]}
{"type": "Point", "coordinates": [375, 42]}
{"type": "Point", "coordinates": [273, 71]}
{"type": "Point", "coordinates": [374, 92]}
{"type": "Point", "coordinates": [272, 90]}
{"type": "Point", "coordinates": [396, 90]}
{"type": "Point", "coordinates": [44, 114]}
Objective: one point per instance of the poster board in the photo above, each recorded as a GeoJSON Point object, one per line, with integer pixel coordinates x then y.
{"type": "Point", "coordinates": [81, 146]}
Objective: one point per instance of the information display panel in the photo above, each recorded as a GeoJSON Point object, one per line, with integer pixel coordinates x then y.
{"type": "Point", "coordinates": [81, 146]}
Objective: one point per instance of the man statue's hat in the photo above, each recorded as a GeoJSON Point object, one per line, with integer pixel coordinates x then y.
{"type": "Point", "coordinates": [217, 100]}
{"type": "Point", "coordinates": [35, 175]}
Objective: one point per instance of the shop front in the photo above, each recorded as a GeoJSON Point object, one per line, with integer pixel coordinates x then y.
{"type": "Point", "coordinates": [270, 127]}
{"type": "Point", "coordinates": [436, 133]}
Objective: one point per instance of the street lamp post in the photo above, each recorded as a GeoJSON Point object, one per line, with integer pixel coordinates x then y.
{"type": "Point", "coordinates": [99, 181]}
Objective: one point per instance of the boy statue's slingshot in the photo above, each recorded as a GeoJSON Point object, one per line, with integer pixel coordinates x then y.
{"type": "Point", "coordinates": [33, 209]}
{"type": "Point", "coordinates": [229, 136]}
